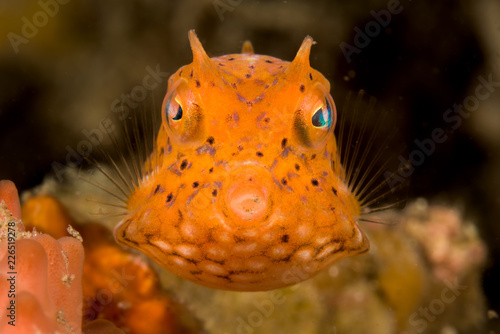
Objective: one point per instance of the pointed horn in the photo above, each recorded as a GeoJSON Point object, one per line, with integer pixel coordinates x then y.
{"type": "Point", "coordinates": [201, 61]}
{"type": "Point", "coordinates": [199, 54]}
{"type": "Point", "coordinates": [301, 60]}
{"type": "Point", "coordinates": [247, 48]}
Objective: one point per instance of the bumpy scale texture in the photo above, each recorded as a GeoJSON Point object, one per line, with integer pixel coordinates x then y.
{"type": "Point", "coordinates": [246, 189]}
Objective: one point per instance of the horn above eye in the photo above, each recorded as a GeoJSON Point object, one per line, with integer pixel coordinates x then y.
{"type": "Point", "coordinates": [300, 64]}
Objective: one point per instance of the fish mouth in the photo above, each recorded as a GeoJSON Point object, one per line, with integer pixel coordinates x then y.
{"type": "Point", "coordinates": [248, 200]}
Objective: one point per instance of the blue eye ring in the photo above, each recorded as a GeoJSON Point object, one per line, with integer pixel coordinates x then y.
{"type": "Point", "coordinates": [323, 116]}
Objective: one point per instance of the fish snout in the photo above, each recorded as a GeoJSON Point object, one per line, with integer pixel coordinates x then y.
{"type": "Point", "coordinates": [249, 196]}
{"type": "Point", "coordinates": [248, 201]}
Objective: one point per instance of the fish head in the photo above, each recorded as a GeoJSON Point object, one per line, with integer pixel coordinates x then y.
{"type": "Point", "coordinates": [248, 193]}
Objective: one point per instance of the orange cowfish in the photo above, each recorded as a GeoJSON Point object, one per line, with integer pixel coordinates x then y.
{"type": "Point", "coordinates": [244, 188]}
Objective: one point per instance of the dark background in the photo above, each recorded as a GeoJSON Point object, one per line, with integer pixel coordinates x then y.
{"type": "Point", "coordinates": [66, 77]}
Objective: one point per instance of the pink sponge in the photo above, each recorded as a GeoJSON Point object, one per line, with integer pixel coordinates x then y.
{"type": "Point", "coordinates": [44, 292]}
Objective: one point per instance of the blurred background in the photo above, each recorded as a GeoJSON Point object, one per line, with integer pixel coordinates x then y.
{"type": "Point", "coordinates": [66, 65]}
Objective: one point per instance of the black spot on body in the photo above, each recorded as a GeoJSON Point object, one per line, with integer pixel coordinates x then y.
{"type": "Point", "coordinates": [297, 167]}
{"type": "Point", "coordinates": [248, 75]}
{"type": "Point", "coordinates": [283, 143]}
{"type": "Point", "coordinates": [210, 140]}
{"type": "Point", "coordinates": [214, 193]}
{"type": "Point", "coordinates": [285, 238]}
{"type": "Point", "coordinates": [315, 182]}
{"type": "Point", "coordinates": [240, 148]}
{"type": "Point", "coordinates": [260, 154]}
{"type": "Point", "coordinates": [211, 170]}
{"type": "Point", "coordinates": [184, 164]}
{"type": "Point", "coordinates": [232, 58]}
{"type": "Point", "coordinates": [197, 83]}
{"type": "Point", "coordinates": [169, 197]}
{"type": "Point", "coordinates": [310, 76]}
{"type": "Point", "coordinates": [334, 191]}
{"type": "Point", "coordinates": [195, 184]}
{"type": "Point", "coordinates": [302, 88]}
{"type": "Point", "coordinates": [269, 61]}
{"type": "Point", "coordinates": [191, 75]}
{"type": "Point", "coordinates": [313, 156]}
{"type": "Point", "coordinates": [267, 119]}
{"type": "Point", "coordinates": [221, 64]}
{"type": "Point", "coordinates": [157, 189]}
{"type": "Point", "coordinates": [251, 67]}
{"type": "Point", "coordinates": [283, 181]}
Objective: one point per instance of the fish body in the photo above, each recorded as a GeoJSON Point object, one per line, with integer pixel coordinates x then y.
{"type": "Point", "coordinates": [246, 191]}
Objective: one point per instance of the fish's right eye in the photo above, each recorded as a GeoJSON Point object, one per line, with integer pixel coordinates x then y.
{"type": "Point", "coordinates": [183, 115]}
{"type": "Point", "coordinates": [173, 110]}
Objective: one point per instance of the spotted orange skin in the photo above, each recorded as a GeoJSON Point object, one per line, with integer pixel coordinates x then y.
{"type": "Point", "coordinates": [245, 193]}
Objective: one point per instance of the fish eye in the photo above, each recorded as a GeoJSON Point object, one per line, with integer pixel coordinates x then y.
{"type": "Point", "coordinates": [183, 116]}
{"type": "Point", "coordinates": [323, 116]}
{"type": "Point", "coordinates": [315, 120]}
{"type": "Point", "coordinates": [173, 110]}
{"type": "Point", "coordinates": [178, 116]}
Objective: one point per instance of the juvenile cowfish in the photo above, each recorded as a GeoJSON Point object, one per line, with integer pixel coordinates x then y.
{"type": "Point", "coordinates": [245, 190]}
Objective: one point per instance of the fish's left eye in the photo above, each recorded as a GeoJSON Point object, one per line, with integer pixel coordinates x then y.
{"type": "Point", "coordinates": [315, 121]}
{"type": "Point", "coordinates": [323, 116]}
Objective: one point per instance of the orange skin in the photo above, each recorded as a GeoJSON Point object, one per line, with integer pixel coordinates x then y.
{"type": "Point", "coordinates": [246, 192]}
